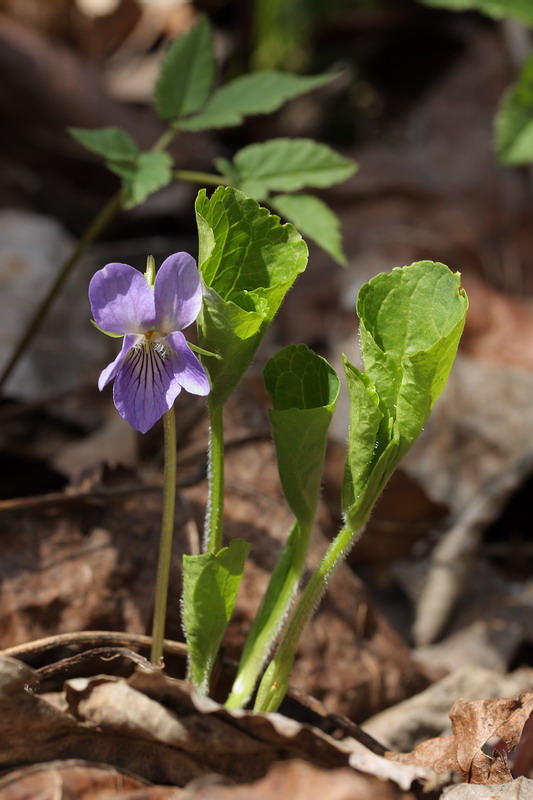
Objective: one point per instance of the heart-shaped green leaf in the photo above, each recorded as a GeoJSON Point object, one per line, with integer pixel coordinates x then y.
{"type": "Point", "coordinates": [247, 261]}
{"type": "Point", "coordinates": [411, 321]}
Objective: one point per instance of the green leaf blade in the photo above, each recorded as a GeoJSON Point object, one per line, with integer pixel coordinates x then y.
{"type": "Point", "coordinates": [314, 220]}
{"type": "Point", "coordinates": [187, 73]}
{"type": "Point", "coordinates": [256, 93]}
{"type": "Point", "coordinates": [247, 261]}
{"type": "Point", "coordinates": [404, 315]}
{"type": "Point", "coordinates": [304, 389]}
{"type": "Point", "coordinates": [287, 165]}
{"type": "Point", "coordinates": [411, 321]}
{"type": "Point", "coordinates": [113, 143]}
{"type": "Point", "coordinates": [514, 121]}
{"type": "Point", "coordinates": [210, 586]}
{"type": "Point", "coordinates": [152, 171]}
{"type": "Point", "coordinates": [498, 9]}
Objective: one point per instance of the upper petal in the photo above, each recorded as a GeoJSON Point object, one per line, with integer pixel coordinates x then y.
{"type": "Point", "coordinates": [121, 300]}
{"type": "Point", "coordinates": [111, 370]}
{"type": "Point", "coordinates": [145, 387]}
{"type": "Point", "coordinates": [177, 292]}
{"type": "Point", "coordinates": [187, 367]}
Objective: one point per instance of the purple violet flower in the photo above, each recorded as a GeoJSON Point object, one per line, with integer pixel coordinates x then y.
{"type": "Point", "coordinates": [155, 362]}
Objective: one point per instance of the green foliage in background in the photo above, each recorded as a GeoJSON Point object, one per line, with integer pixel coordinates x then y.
{"type": "Point", "coordinates": [185, 96]}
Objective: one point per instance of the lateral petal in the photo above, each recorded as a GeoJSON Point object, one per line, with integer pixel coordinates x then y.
{"type": "Point", "coordinates": [187, 367]}
{"type": "Point", "coordinates": [111, 370]}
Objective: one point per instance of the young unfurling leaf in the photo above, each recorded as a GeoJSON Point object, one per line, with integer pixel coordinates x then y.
{"type": "Point", "coordinates": [411, 321]}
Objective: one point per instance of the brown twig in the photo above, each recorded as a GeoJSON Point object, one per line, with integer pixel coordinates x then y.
{"type": "Point", "coordinates": [104, 653]}
{"type": "Point", "coordinates": [91, 639]}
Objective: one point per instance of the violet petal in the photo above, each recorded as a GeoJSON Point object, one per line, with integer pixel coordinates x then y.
{"type": "Point", "coordinates": [121, 300]}
{"type": "Point", "coordinates": [187, 367]}
{"type": "Point", "coordinates": [177, 292]}
{"type": "Point", "coordinates": [145, 387]}
{"type": "Point", "coordinates": [111, 370]}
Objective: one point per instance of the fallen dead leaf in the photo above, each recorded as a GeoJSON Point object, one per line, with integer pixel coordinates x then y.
{"type": "Point", "coordinates": [474, 723]}
{"type": "Point", "coordinates": [302, 781]}
{"type": "Point", "coordinates": [523, 761]}
{"type": "Point", "coordinates": [519, 789]}
{"type": "Point", "coordinates": [426, 714]}
{"type": "Point", "coordinates": [72, 780]}
{"type": "Point", "coordinates": [159, 729]}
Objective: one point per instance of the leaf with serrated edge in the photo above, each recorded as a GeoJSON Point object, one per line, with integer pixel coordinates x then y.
{"type": "Point", "coordinates": [210, 586]}
{"type": "Point", "coordinates": [514, 121]}
{"type": "Point", "coordinates": [152, 171]}
{"type": "Point", "coordinates": [499, 9]}
{"type": "Point", "coordinates": [247, 261]}
{"type": "Point", "coordinates": [304, 389]}
{"type": "Point", "coordinates": [112, 143]}
{"type": "Point", "coordinates": [287, 165]}
{"type": "Point", "coordinates": [314, 219]}
{"type": "Point", "coordinates": [256, 93]}
{"type": "Point", "coordinates": [187, 73]}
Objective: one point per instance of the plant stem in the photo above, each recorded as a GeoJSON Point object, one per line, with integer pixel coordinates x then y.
{"type": "Point", "coordinates": [271, 615]}
{"type": "Point", "coordinates": [200, 177]}
{"type": "Point", "coordinates": [98, 224]}
{"type": "Point", "coordinates": [167, 531]}
{"type": "Point", "coordinates": [274, 684]}
{"type": "Point", "coordinates": [215, 504]}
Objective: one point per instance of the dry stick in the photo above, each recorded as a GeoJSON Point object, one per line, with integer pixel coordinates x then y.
{"type": "Point", "coordinates": [92, 639]}
{"type": "Point", "coordinates": [99, 223]}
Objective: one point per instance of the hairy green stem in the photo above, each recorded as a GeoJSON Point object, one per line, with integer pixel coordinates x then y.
{"type": "Point", "coordinates": [271, 615]}
{"type": "Point", "coordinates": [165, 542]}
{"type": "Point", "coordinates": [275, 681]}
{"type": "Point", "coordinates": [98, 224]}
{"type": "Point", "coordinates": [215, 473]}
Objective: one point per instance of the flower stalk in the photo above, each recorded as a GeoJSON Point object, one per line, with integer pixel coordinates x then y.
{"type": "Point", "coordinates": [165, 543]}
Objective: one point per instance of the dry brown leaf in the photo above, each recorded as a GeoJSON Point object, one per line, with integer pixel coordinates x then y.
{"type": "Point", "coordinates": [523, 761]}
{"type": "Point", "coordinates": [157, 728]}
{"type": "Point", "coordinates": [474, 723]}
{"type": "Point", "coordinates": [302, 781]}
{"type": "Point", "coordinates": [72, 780]}
{"type": "Point", "coordinates": [519, 789]}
